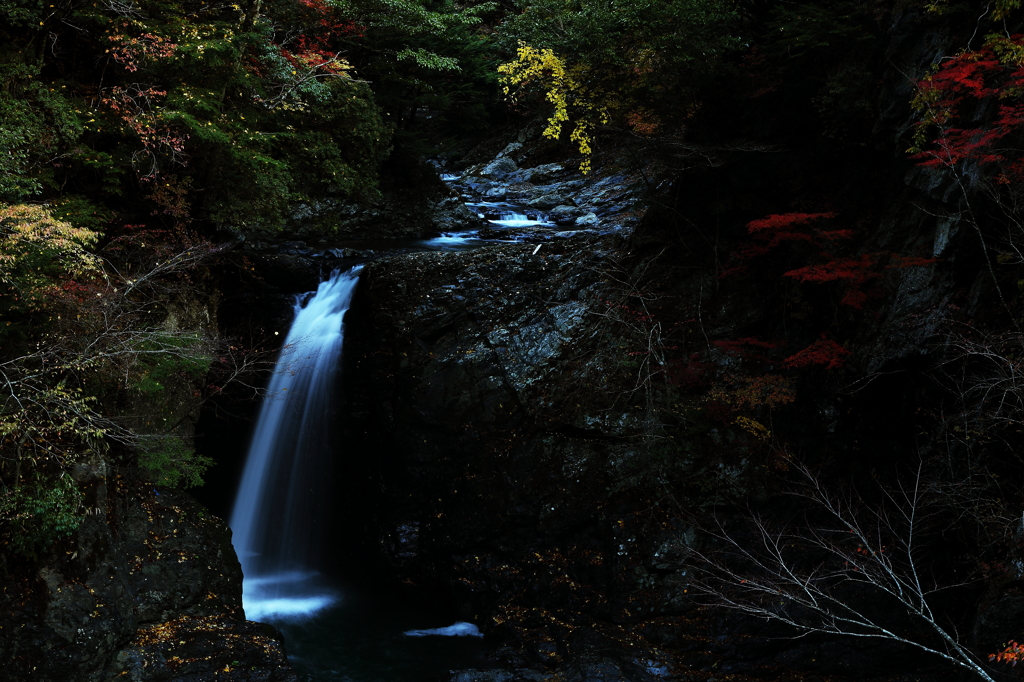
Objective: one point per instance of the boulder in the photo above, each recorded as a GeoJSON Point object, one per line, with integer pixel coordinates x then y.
{"type": "Point", "coordinates": [499, 168]}
{"type": "Point", "coordinates": [544, 174]}
{"type": "Point", "coordinates": [147, 565]}
{"type": "Point", "coordinates": [511, 148]}
{"type": "Point", "coordinates": [563, 214]}
{"type": "Point", "coordinates": [547, 200]}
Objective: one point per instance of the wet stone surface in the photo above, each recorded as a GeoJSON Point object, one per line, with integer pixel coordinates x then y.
{"type": "Point", "coordinates": [145, 562]}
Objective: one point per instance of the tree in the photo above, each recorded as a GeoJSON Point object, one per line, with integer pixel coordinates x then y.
{"type": "Point", "coordinates": [969, 128]}
{"type": "Point", "coordinates": [88, 362]}
{"type": "Point", "coordinates": [636, 64]}
{"type": "Point", "coordinates": [841, 567]}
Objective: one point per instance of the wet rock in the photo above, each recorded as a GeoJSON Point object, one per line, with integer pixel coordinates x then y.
{"type": "Point", "coordinates": [500, 675]}
{"type": "Point", "coordinates": [618, 191]}
{"type": "Point", "coordinates": [193, 648]}
{"type": "Point", "coordinates": [591, 657]}
{"type": "Point", "coordinates": [498, 168]}
{"type": "Point", "coordinates": [511, 148]}
{"type": "Point", "coordinates": [391, 217]}
{"type": "Point", "coordinates": [142, 560]}
{"type": "Point", "coordinates": [341, 253]}
{"type": "Point", "coordinates": [293, 248]}
{"type": "Point", "coordinates": [452, 215]}
{"type": "Point", "coordinates": [500, 366]}
{"type": "Point", "coordinates": [588, 220]}
{"type": "Point", "coordinates": [542, 175]}
{"type": "Point", "coordinates": [547, 200]}
{"type": "Point", "coordinates": [563, 214]}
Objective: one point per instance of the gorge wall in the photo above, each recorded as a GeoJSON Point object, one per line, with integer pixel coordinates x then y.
{"type": "Point", "coordinates": [551, 424]}
{"type": "Point", "coordinates": [542, 432]}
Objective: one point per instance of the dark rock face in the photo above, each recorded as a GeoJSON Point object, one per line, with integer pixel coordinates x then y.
{"type": "Point", "coordinates": [392, 217]}
{"type": "Point", "coordinates": [148, 589]}
{"type": "Point", "coordinates": [512, 453]}
{"type": "Point", "coordinates": [522, 478]}
{"type": "Point", "coordinates": [486, 379]}
{"type": "Point", "coordinates": [203, 648]}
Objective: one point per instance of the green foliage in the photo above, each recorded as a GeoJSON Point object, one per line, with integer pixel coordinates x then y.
{"type": "Point", "coordinates": [22, 13]}
{"type": "Point", "coordinates": [1000, 9]}
{"type": "Point", "coordinates": [163, 357]}
{"type": "Point", "coordinates": [80, 344]}
{"type": "Point", "coordinates": [626, 36]}
{"type": "Point", "coordinates": [224, 116]}
{"type": "Point", "coordinates": [82, 213]}
{"type": "Point", "coordinates": [223, 104]}
{"type": "Point", "coordinates": [412, 17]}
{"type": "Point", "coordinates": [810, 30]}
{"type": "Point", "coordinates": [426, 56]}
{"type": "Point", "coordinates": [40, 514]}
{"type": "Point", "coordinates": [168, 461]}
{"type": "Point", "coordinates": [38, 124]}
{"type": "Point", "coordinates": [822, 56]}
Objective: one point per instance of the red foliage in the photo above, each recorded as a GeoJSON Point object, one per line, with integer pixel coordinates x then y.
{"type": "Point", "coordinates": [746, 347]}
{"type": "Point", "coordinates": [909, 261]}
{"type": "Point", "coordinates": [171, 197]}
{"type": "Point", "coordinates": [855, 298]}
{"type": "Point", "coordinates": [768, 233]}
{"type": "Point", "coordinates": [855, 270]}
{"type": "Point", "coordinates": [1012, 654]}
{"type": "Point", "coordinates": [777, 221]}
{"type": "Point", "coordinates": [746, 342]}
{"type": "Point", "coordinates": [784, 227]}
{"type": "Point", "coordinates": [74, 294]}
{"type": "Point", "coordinates": [140, 112]}
{"type": "Point", "coordinates": [956, 91]}
{"type": "Point", "coordinates": [135, 247]}
{"type": "Point", "coordinates": [315, 46]}
{"type": "Point", "coordinates": [131, 52]}
{"type": "Point", "coordinates": [688, 374]}
{"type": "Point", "coordinates": [324, 21]}
{"type": "Point", "coordinates": [824, 351]}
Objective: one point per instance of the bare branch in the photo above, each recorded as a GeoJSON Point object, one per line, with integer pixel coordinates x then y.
{"type": "Point", "coordinates": [812, 574]}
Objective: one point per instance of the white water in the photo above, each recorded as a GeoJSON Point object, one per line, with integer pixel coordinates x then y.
{"type": "Point", "coordinates": [453, 241]}
{"type": "Point", "coordinates": [460, 629]}
{"type": "Point", "coordinates": [508, 215]}
{"type": "Point", "coordinates": [283, 494]}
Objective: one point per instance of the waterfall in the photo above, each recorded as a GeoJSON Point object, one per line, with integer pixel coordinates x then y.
{"type": "Point", "coordinates": [280, 508]}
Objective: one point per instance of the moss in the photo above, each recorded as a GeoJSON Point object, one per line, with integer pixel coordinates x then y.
{"type": "Point", "coordinates": [41, 514]}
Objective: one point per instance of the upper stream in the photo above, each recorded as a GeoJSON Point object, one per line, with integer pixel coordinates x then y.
{"type": "Point", "coordinates": [506, 222]}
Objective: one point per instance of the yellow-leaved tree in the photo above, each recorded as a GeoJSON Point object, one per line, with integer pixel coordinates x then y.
{"type": "Point", "coordinates": [642, 65]}
{"type": "Point", "coordinates": [565, 88]}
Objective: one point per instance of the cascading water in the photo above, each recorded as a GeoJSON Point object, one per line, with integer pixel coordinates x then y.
{"type": "Point", "coordinates": [278, 513]}
{"type": "Point", "coordinates": [281, 504]}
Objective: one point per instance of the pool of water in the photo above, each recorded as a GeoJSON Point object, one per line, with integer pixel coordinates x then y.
{"type": "Point", "coordinates": [361, 637]}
